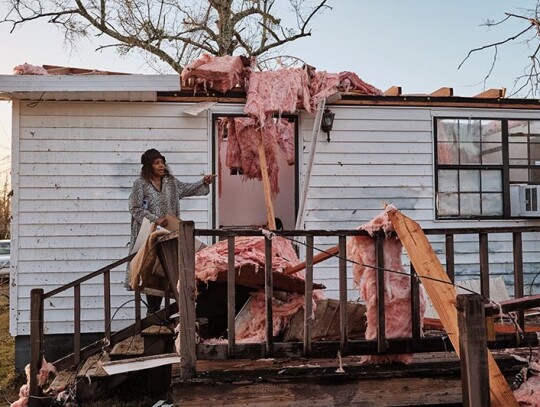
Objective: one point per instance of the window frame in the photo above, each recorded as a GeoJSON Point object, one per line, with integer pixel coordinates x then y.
{"type": "Point", "coordinates": [504, 168]}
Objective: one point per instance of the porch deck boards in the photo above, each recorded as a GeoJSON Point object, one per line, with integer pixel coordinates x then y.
{"type": "Point", "coordinates": [432, 379]}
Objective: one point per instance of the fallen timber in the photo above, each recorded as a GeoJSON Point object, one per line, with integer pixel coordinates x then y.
{"type": "Point", "coordinates": [310, 352]}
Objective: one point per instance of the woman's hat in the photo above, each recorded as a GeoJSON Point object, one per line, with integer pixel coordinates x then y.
{"type": "Point", "coordinates": [148, 157]}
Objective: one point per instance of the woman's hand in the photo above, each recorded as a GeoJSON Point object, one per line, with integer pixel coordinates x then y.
{"type": "Point", "coordinates": [208, 179]}
{"type": "Point", "coordinates": [161, 221]}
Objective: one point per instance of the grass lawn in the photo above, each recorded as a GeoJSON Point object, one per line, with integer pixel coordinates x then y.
{"type": "Point", "coordinates": [9, 381]}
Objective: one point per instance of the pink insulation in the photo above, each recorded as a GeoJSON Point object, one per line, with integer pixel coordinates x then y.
{"type": "Point", "coordinates": [243, 149]}
{"type": "Point", "coordinates": [248, 250]}
{"type": "Point", "coordinates": [528, 394]}
{"type": "Point", "coordinates": [27, 69]}
{"type": "Point", "coordinates": [255, 330]}
{"type": "Point", "coordinates": [217, 73]}
{"type": "Point", "coordinates": [323, 84]}
{"type": "Point", "coordinates": [351, 81]}
{"type": "Point", "coordinates": [398, 322]}
{"type": "Point", "coordinates": [277, 92]}
{"type": "Point", "coordinates": [285, 139]}
{"type": "Point", "coordinates": [46, 374]}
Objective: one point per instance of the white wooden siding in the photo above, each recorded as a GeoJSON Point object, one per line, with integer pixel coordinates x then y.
{"type": "Point", "coordinates": [75, 167]}
{"type": "Point", "coordinates": [383, 155]}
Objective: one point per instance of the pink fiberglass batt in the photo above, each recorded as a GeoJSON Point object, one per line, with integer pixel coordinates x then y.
{"type": "Point", "coordinates": [255, 330]}
{"type": "Point", "coordinates": [323, 84]}
{"type": "Point", "coordinates": [285, 139]}
{"type": "Point", "coordinates": [247, 135]}
{"type": "Point", "coordinates": [528, 393]}
{"type": "Point", "coordinates": [27, 69]}
{"type": "Point", "coordinates": [217, 73]}
{"type": "Point", "coordinates": [398, 322]}
{"type": "Point", "coordinates": [277, 92]}
{"type": "Point", "coordinates": [351, 81]}
{"type": "Point", "coordinates": [248, 250]}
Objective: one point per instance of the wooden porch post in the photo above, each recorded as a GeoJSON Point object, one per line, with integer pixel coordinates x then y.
{"type": "Point", "coordinates": [473, 350]}
{"type": "Point", "coordinates": [186, 305]}
{"type": "Point", "coordinates": [36, 343]}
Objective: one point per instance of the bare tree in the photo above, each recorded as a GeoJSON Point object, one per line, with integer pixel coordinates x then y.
{"type": "Point", "coordinates": [527, 82]}
{"type": "Point", "coordinates": [174, 31]}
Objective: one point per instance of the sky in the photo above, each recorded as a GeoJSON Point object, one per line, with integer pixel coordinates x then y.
{"type": "Point", "coordinates": [415, 44]}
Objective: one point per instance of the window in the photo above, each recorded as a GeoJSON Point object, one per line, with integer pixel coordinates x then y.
{"type": "Point", "coordinates": [477, 160]}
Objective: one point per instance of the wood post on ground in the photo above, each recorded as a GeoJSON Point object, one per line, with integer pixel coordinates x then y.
{"type": "Point", "coordinates": [36, 345]}
{"type": "Point", "coordinates": [187, 296]}
{"type": "Point", "coordinates": [473, 350]}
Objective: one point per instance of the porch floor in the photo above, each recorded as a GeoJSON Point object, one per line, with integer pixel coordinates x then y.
{"type": "Point", "coordinates": [432, 379]}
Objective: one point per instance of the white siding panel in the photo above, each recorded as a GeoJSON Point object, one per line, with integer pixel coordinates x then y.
{"type": "Point", "coordinates": [77, 162]}
{"type": "Point", "coordinates": [376, 156]}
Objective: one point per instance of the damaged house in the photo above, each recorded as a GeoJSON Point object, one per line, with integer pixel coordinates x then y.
{"type": "Point", "coordinates": [448, 162]}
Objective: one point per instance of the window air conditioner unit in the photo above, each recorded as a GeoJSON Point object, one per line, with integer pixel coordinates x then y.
{"type": "Point", "coordinates": [525, 200]}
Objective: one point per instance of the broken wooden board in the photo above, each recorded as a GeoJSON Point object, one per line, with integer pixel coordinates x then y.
{"type": "Point", "coordinates": [326, 321]}
{"type": "Point", "coordinates": [134, 364]}
{"type": "Point", "coordinates": [129, 347]}
{"type": "Point", "coordinates": [443, 296]}
{"type": "Point", "coordinates": [324, 392]}
{"type": "Point", "coordinates": [249, 275]}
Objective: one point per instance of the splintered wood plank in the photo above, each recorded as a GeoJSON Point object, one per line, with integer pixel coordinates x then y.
{"type": "Point", "coordinates": [443, 296]}
{"type": "Point", "coordinates": [142, 363]}
{"type": "Point", "coordinates": [331, 252]}
{"type": "Point", "coordinates": [266, 185]}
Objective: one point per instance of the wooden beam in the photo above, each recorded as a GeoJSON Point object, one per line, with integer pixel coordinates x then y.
{"type": "Point", "coordinates": [187, 297]}
{"type": "Point", "coordinates": [443, 296]}
{"type": "Point", "coordinates": [393, 91]}
{"type": "Point", "coordinates": [492, 94]}
{"type": "Point", "coordinates": [316, 259]}
{"type": "Point", "coordinates": [473, 350]}
{"type": "Point", "coordinates": [444, 92]}
{"type": "Point", "coordinates": [517, 304]}
{"type": "Point", "coordinates": [266, 185]}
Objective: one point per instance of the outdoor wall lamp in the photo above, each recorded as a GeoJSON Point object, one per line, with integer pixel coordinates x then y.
{"type": "Point", "coordinates": [327, 122]}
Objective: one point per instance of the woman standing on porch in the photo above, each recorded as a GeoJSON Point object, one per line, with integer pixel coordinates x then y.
{"type": "Point", "coordinates": [156, 193]}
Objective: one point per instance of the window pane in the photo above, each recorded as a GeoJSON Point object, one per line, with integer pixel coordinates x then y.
{"type": "Point", "coordinates": [447, 130]}
{"type": "Point", "coordinates": [516, 127]}
{"type": "Point", "coordinates": [447, 153]}
{"type": "Point", "coordinates": [535, 127]}
{"type": "Point", "coordinates": [491, 181]}
{"type": "Point", "coordinates": [447, 204]}
{"type": "Point", "coordinates": [517, 153]}
{"type": "Point", "coordinates": [491, 131]}
{"type": "Point", "coordinates": [535, 150]}
{"type": "Point", "coordinates": [448, 180]}
{"type": "Point", "coordinates": [492, 204]}
{"type": "Point", "coordinates": [469, 131]}
{"type": "Point", "coordinates": [491, 153]}
{"type": "Point", "coordinates": [469, 204]}
{"type": "Point", "coordinates": [469, 180]}
{"type": "Point", "coordinates": [535, 175]}
{"type": "Point", "coordinates": [519, 175]}
{"type": "Point", "coordinates": [469, 153]}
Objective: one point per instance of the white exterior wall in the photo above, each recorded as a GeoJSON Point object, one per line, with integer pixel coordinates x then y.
{"type": "Point", "coordinates": [381, 155]}
{"type": "Point", "coordinates": [74, 163]}
{"type": "Point", "coordinates": [73, 167]}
